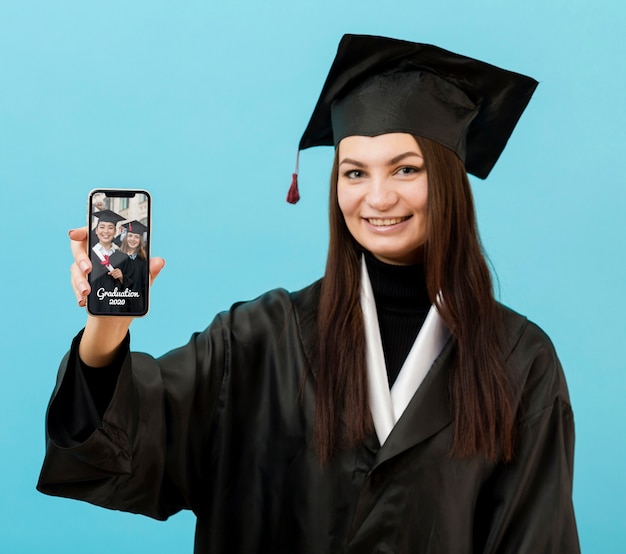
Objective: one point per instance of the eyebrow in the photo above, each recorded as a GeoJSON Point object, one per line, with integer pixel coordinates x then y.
{"type": "Point", "coordinates": [393, 161]}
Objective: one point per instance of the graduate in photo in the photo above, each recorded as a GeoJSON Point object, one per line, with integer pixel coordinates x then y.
{"type": "Point", "coordinates": [392, 406]}
{"type": "Point", "coordinates": [134, 245]}
{"type": "Point", "coordinates": [111, 270]}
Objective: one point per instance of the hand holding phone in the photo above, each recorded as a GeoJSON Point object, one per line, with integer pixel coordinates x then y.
{"type": "Point", "coordinates": [119, 250]}
{"type": "Point", "coordinates": [102, 335]}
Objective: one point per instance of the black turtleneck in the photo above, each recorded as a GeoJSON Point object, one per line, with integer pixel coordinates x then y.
{"type": "Point", "coordinates": [402, 304]}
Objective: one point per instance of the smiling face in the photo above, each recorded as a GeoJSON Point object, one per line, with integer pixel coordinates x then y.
{"type": "Point", "coordinates": [382, 191]}
{"type": "Point", "coordinates": [133, 240]}
{"type": "Point", "coordinates": [105, 231]}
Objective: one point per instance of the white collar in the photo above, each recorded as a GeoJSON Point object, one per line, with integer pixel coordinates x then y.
{"type": "Point", "coordinates": [388, 406]}
{"type": "Point", "coordinates": [99, 249]}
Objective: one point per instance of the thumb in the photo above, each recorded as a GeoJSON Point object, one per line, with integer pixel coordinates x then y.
{"type": "Point", "coordinates": [156, 265]}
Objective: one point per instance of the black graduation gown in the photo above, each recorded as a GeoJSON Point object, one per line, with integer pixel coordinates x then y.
{"type": "Point", "coordinates": [139, 274]}
{"type": "Point", "coordinates": [104, 297]}
{"type": "Point", "coordinates": [222, 426]}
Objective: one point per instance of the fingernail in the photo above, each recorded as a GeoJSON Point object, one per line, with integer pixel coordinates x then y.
{"type": "Point", "coordinates": [84, 266]}
{"type": "Point", "coordinates": [70, 231]}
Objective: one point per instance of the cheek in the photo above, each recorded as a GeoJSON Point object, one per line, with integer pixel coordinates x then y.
{"type": "Point", "coordinates": [419, 202]}
{"type": "Point", "coordinates": [420, 196]}
{"type": "Point", "coordinates": [424, 216]}
{"type": "Point", "coordinates": [347, 201]}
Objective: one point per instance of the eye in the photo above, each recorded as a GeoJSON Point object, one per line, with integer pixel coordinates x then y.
{"type": "Point", "coordinates": [408, 170]}
{"type": "Point", "coordinates": [353, 174]}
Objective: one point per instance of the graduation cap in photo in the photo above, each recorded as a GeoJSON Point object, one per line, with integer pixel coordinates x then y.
{"type": "Point", "coordinates": [135, 227]}
{"type": "Point", "coordinates": [380, 85]}
{"type": "Point", "coordinates": [108, 216]}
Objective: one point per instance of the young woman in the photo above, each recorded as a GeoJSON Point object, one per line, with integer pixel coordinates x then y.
{"type": "Point", "coordinates": [394, 405]}
{"type": "Point", "coordinates": [110, 267]}
{"type": "Point", "coordinates": [134, 247]}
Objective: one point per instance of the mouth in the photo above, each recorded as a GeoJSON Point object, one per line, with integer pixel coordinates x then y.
{"type": "Point", "coordinates": [385, 222]}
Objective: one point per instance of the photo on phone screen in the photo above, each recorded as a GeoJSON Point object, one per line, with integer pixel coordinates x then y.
{"type": "Point", "coordinates": [119, 246]}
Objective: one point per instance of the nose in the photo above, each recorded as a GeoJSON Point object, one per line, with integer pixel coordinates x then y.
{"type": "Point", "coordinates": [381, 194]}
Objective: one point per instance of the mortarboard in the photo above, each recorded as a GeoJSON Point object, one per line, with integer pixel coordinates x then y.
{"type": "Point", "coordinates": [108, 216]}
{"type": "Point", "coordinates": [382, 85]}
{"type": "Point", "coordinates": [136, 227]}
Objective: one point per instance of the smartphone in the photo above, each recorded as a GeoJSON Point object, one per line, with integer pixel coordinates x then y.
{"type": "Point", "coordinates": [119, 249]}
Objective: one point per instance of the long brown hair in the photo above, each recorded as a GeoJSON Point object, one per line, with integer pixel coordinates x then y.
{"type": "Point", "coordinates": [140, 250]}
{"type": "Point", "coordinates": [480, 393]}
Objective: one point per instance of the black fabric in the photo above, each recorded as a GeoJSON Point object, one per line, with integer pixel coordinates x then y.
{"type": "Point", "coordinates": [414, 102]}
{"type": "Point", "coordinates": [105, 289]}
{"type": "Point", "coordinates": [381, 85]}
{"type": "Point", "coordinates": [108, 216]}
{"type": "Point", "coordinates": [82, 402]}
{"type": "Point", "coordinates": [223, 426]}
{"type": "Point", "coordinates": [402, 305]}
{"type": "Point", "coordinates": [136, 227]}
{"type": "Point", "coordinates": [139, 272]}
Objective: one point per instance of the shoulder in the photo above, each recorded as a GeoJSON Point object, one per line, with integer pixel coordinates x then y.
{"type": "Point", "coordinates": [278, 299]}
{"type": "Point", "coordinates": [277, 320]}
{"type": "Point", "coordinates": [521, 332]}
{"type": "Point", "coordinates": [533, 363]}
{"type": "Point", "coordinates": [273, 308]}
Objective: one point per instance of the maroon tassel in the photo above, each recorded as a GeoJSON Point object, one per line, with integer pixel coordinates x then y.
{"type": "Point", "coordinates": [293, 195]}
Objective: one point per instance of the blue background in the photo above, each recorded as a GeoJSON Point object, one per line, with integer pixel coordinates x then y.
{"type": "Point", "coordinates": [203, 104]}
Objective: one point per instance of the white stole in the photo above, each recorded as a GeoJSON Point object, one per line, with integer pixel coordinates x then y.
{"type": "Point", "coordinates": [388, 405]}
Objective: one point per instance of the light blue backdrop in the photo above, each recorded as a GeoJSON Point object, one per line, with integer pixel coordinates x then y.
{"type": "Point", "coordinates": [203, 103]}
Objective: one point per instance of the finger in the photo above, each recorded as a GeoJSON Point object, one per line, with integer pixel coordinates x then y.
{"type": "Point", "coordinates": [79, 234]}
{"type": "Point", "coordinates": [156, 265]}
{"type": "Point", "coordinates": [78, 245]}
{"type": "Point", "coordinates": [79, 284]}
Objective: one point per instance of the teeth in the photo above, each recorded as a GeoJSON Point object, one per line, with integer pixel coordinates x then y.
{"type": "Point", "coordinates": [383, 222]}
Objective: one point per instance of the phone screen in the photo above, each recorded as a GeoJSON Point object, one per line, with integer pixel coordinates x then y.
{"type": "Point", "coordinates": [119, 249]}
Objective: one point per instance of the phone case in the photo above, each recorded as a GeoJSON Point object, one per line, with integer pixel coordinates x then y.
{"type": "Point", "coordinates": [119, 250]}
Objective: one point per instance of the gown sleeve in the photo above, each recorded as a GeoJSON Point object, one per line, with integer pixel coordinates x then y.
{"type": "Point", "coordinates": [527, 505]}
{"type": "Point", "coordinates": [134, 438]}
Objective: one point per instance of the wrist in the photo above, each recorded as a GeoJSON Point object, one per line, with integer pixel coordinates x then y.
{"type": "Point", "coordinates": [101, 339]}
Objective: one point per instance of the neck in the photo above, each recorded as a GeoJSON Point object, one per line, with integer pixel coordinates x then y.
{"type": "Point", "coordinates": [402, 304]}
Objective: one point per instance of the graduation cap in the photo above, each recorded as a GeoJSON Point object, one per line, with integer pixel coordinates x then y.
{"type": "Point", "coordinates": [135, 227]}
{"type": "Point", "coordinates": [380, 85]}
{"type": "Point", "coordinates": [108, 216]}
